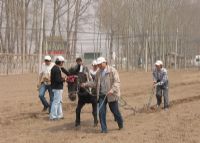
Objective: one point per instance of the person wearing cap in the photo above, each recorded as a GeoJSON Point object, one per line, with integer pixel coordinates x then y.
{"type": "Point", "coordinates": [57, 88]}
{"type": "Point", "coordinates": [160, 82]}
{"type": "Point", "coordinates": [93, 72]}
{"type": "Point", "coordinates": [94, 69]}
{"type": "Point", "coordinates": [107, 85]}
{"type": "Point", "coordinates": [45, 83]}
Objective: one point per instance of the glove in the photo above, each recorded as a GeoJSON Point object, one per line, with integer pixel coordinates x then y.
{"type": "Point", "coordinates": [155, 85]}
{"type": "Point", "coordinates": [38, 86]}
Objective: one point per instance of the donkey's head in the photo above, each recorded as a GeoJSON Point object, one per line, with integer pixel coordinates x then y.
{"type": "Point", "coordinates": [73, 83]}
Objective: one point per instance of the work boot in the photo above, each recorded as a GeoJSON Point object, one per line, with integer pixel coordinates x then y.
{"type": "Point", "coordinates": [104, 132]}
{"type": "Point", "coordinates": [166, 109]}
{"type": "Point", "coordinates": [120, 126]}
{"type": "Point", "coordinates": [45, 109]}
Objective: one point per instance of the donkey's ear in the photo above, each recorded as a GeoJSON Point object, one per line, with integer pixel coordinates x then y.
{"type": "Point", "coordinates": [73, 70]}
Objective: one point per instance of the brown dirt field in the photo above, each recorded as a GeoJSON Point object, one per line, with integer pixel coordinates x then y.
{"type": "Point", "coordinates": [21, 119]}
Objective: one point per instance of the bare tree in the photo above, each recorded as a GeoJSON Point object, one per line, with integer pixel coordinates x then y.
{"type": "Point", "coordinates": [146, 30]}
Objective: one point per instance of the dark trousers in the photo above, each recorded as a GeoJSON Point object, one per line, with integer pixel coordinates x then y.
{"type": "Point", "coordinates": [162, 91]}
{"type": "Point", "coordinates": [82, 100]}
{"type": "Point", "coordinates": [114, 107]}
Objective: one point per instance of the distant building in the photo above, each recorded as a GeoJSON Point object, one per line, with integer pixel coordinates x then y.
{"type": "Point", "coordinates": [55, 45]}
{"type": "Point", "coordinates": [90, 56]}
{"type": "Point", "coordinates": [197, 60]}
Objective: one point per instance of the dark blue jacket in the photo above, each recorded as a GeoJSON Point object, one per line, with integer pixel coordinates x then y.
{"type": "Point", "coordinates": [56, 78]}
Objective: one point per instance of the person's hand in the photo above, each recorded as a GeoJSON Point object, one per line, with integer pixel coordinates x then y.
{"type": "Point", "coordinates": [65, 78]}
{"type": "Point", "coordinates": [110, 93]}
{"type": "Point", "coordinates": [38, 86]}
{"type": "Point", "coordinates": [83, 85]}
{"type": "Point", "coordinates": [154, 84]}
{"type": "Point", "coordinates": [45, 79]}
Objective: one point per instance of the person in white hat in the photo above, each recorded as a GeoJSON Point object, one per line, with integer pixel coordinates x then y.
{"type": "Point", "coordinates": [57, 88]}
{"type": "Point", "coordinates": [160, 81]}
{"type": "Point", "coordinates": [107, 85]}
{"type": "Point", "coordinates": [45, 83]}
{"type": "Point", "coordinates": [94, 69]}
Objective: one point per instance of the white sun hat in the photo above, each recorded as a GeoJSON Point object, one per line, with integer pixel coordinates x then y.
{"type": "Point", "coordinates": [94, 63]}
{"type": "Point", "coordinates": [60, 58]}
{"type": "Point", "coordinates": [158, 63]}
{"type": "Point", "coordinates": [101, 60]}
{"type": "Point", "coordinates": [47, 57]}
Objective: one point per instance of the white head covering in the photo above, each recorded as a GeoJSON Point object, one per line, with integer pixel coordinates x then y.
{"type": "Point", "coordinates": [101, 60]}
{"type": "Point", "coordinates": [47, 57]}
{"type": "Point", "coordinates": [94, 63]}
{"type": "Point", "coordinates": [158, 63]}
{"type": "Point", "coordinates": [60, 58]}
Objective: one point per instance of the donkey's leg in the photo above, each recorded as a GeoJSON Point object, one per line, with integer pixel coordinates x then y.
{"type": "Point", "coordinates": [78, 112]}
{"type": "Point", "coordinates": [94, 110]}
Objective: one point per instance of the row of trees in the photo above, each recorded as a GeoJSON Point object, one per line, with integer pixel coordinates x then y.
{"type": "Point", "coordinates": [142, 31]}
{"type": "Point", "coordinates": [30, 27]}
{"type": "Point", "coordinates": [137, 32]}
{"type": "Point", "coordinates": [23, 23]}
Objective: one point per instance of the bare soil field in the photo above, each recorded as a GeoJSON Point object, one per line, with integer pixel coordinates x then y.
{"type": "Point", "coordinates": [21, 119]}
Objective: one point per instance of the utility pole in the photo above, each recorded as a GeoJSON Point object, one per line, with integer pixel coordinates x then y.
{"type": "Point", "coordinates": [82, 51]}
{"type": "Point", "coordinates": [94, 49]}
{"type": "Point", "coordinates": [175, 56]}
{"type": "Point", "coordinates": [23, 36]}
{"type": "Point", "coordinates": [77, 11]}
{"type": "Point", "coordinates": [41, 37]}
{"type": "Point", "coordinates": [146, 53]}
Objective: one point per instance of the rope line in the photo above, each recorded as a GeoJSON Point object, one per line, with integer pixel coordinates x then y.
{"type": "Point", "coordinates": [150, 98]}
{"type": "Point", "coordinates": [123, 104]}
